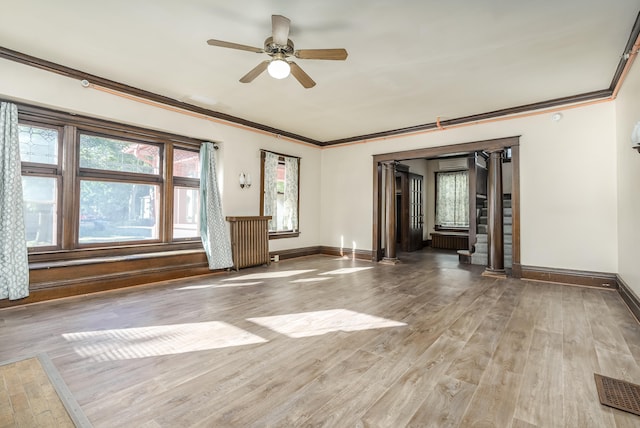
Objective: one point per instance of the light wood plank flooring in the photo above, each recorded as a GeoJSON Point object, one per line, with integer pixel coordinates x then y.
{"type": "Point", "coordinates": [324, 341]}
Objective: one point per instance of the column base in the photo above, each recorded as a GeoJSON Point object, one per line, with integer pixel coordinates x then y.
{"type": "Point", "coordinates": [494, 273]}
{"type": "Point", "coordinates": [389, 261]}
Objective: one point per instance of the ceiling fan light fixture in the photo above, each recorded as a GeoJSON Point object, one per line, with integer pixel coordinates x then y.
{"type": "Point", "coordinates": [278, 69]}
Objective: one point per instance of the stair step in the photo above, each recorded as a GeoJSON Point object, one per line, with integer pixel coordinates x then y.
{"type": "Point", "coordinates": [483, 248]}
{"type": "Point", "coordinates": [505, 220]}
{"type": "Point", "coordinates": [479, 259]}
{"type": "Point", "coordinates": [507, 212]}
{"type": "Point", "coordinates": [506, 203]}
{"type": "Point", "coordinates": [507, 229]}
{"type": "Point", "coordinates": [483, 259]}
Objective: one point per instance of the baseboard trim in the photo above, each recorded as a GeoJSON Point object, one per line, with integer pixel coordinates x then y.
{"type": "Point", "coordinates": [630, 298]}
{"type": "Point", "coordinates": [351, 253]}
{"type": "Point", "coordinates": [295, 252]}
{"type": "Point", "coordinates": [569, 276]}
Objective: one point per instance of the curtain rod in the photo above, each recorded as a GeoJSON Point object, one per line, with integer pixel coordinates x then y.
{"type": "Point", "coordinates": [279, 154]}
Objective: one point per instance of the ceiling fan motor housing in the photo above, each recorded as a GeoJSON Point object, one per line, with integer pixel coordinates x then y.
{"type": "Point", "coordinates": [272, 48]}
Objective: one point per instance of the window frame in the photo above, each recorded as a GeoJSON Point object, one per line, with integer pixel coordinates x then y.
{"type": "Point", "coordinates": [184, 182]}
{"type": "Point", "coordinates": [280, 234]}
{"type": "Point", "coordinates": [36, 169]}
{"type": "Point", "coordinates": [69, 127]}
{"type": "Point", "coordinates": [438, 227]}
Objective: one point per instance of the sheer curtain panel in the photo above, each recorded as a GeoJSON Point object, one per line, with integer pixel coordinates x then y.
{"type": "Point", "coordinates": [291, 193]}
{"type": "Point", "coordinates": [14, 263]}
{"type": "Point", "coordinates": [213, 228]}
{"type": "Point", "coordinates": [271, 188]}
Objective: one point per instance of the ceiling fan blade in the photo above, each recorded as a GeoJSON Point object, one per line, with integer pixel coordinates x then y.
{"type": "Point", "coordinates": [255, 72]}
{"type": "Point", "coordinates": [301, 76]}
{"type": "Point", "coordinates": [333, 54]}
{"type": "Point", "coordinates": [280, 29]}
{"type": "Point", "coordinates": [230, 45]}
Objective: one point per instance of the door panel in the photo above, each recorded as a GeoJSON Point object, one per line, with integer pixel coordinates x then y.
{"type": "Point", "coordinates": [416, 212]}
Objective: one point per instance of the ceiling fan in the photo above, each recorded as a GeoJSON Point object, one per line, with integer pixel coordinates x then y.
{"type": "Point", "coordinates": [280, 48]}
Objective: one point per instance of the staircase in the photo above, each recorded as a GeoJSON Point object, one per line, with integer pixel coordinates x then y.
{"type": "Point", "coordinates": [481, 255]}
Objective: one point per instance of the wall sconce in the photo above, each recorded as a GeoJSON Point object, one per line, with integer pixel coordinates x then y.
{"type": "Point", "coordinates": [635, 137]}
{"type": "Point", "coordinates": [245, 180]}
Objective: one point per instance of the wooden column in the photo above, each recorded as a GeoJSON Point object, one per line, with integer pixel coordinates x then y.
{"type": "Point", "coordinates": [390, 205]}
{"type": "Point", "coordinates": [495, 235]}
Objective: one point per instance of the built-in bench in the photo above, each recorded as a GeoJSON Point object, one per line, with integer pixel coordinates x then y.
{"type": "Point", "coordinates": [450, 240]}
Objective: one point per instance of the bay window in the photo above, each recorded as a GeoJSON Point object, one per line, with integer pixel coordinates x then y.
{"type": "Point", "coordinates": [95, 188]}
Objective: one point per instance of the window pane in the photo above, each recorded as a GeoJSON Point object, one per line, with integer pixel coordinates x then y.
{"type": "Point", "coordinates": [186, 163]}
{"type": "Point", "coordinates": [38, 144]}
{"type": "Point", "coordinates": [280, 189]}
{"type": "Point", "coordinates": [40, 210]}
{"type": "Point", "coordinates": [452, 204]}
{"type": "Point", "coordinates": [186, 212]}
{"type": "Point", "coordinates": [116, 155]}
{"type": "Point", "coordinates": [115, 212]}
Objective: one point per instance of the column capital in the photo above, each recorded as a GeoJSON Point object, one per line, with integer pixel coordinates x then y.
{"type": "Point", "coordinates": [389, 164]}
{"type": "Point", "coordinates": [498, 151]}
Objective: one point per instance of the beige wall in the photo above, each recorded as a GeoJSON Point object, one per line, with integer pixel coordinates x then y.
{"type": "Point", "coordinates": [568, 171]}
{"type": "Point", "coordinates": [628, 114]}
{"type": "Point", "coordinates": [568, 185]}
{"type": "Point", "coordinates": [239, 149]}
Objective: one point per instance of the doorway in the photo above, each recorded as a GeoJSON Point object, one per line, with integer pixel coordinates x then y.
{"type": "Point", "coordinates": [379, 223]}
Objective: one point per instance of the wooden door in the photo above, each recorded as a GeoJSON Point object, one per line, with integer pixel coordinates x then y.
{"type": "Point", "coordinates": [415, 211]}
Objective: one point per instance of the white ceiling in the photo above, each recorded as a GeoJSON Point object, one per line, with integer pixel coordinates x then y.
{"type": "Point", "coordinates": [409, 61]}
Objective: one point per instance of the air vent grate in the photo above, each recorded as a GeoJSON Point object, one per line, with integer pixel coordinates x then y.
{"type": "Point", "coordinates": [618, 393]}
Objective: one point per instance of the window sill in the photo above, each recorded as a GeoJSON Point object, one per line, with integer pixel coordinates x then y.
{"type": "Point", "coordinates": [282, 235]}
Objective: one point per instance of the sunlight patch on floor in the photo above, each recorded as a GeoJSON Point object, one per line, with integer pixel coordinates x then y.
{"type": "Point", "coordinates": [152, 341]}
{"type": "Point", "coordinates": [309, 280]}
{"type": "Point", "coordinates": [344, 271]}
{"type": "Point", "coordinates": [321, 322]}
{"type": "Point", "coordinates": [235, 284]}
{"type": "Point", "coordinates": [269, 275]}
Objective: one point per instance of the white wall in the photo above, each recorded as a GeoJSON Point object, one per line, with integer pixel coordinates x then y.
{"type": "Point", "coordinates": [628, 114]}
{"type": "Point", "coordinates": [568, 171]}
{"type": "Point", "coordinates": [239, 148]}
{"type": "Point", "coordinates": [568, 185]}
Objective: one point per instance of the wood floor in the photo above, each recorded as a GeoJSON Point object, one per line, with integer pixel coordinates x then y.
{"type": "Point", "coordinates": [322, 341]}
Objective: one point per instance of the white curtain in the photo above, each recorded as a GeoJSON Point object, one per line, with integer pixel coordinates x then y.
{"type": "Point", "coordinates": [213, 228]}
{"type": "Point", "coordinates": [271, 188]}
{"type": "Point", "coordinates": [291, 193]}
{"type": "Point", "coordinates": [452, 204]}
{"type": "Point", "coordinates": [14, 263]}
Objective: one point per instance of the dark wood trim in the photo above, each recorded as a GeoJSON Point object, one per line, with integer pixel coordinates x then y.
{"type": "Point", "coordinates": [515, 208]}
{"type": "Point", "coordinates": [120, 87]}
{"type": "Point", "coordinates": [279, 154]}
{"type": "Point", "coordinates": [635, 32]}
{"type": "Point", "coordinates": [377, 211]}
{"type": "Point", "coordinates": [78, 277]}
{"type": "Point", "coordinates": [296, 252]}
{"type": "Point", "coordinates": [283, 235]}
{"type": "Point", "coordinates": [473, 186]}
{"type": "Point", "coordinates": [570, 277]}
{"type": "Point", "coordinates": [336, 251]}
{"type": "Point", "coordinates": [434, 152]}
{"type": "Point", "coordinates": [439, 151]}
{"type": "Point", "coordinates": [42, 115]}
{"type": "Point", "coordinates": [516, 270]}
{"type": "Point", "coordinates": [630, 298]}
{"type": "Point", "coordinates": [588, 96]}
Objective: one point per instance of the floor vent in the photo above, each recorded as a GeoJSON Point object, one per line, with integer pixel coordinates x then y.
{"type": "Point", "coordinates": [618, 393]}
